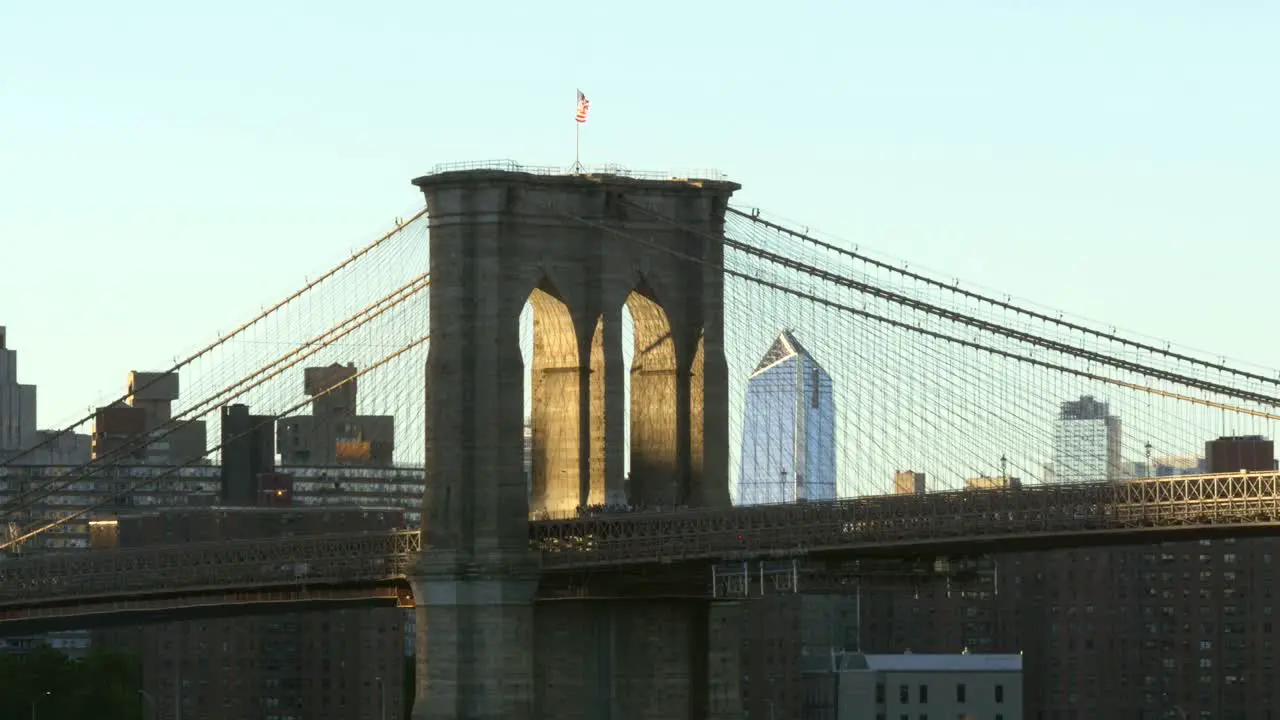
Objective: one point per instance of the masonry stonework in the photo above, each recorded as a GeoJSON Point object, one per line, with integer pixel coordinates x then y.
{"type": "Point", "coordinates": [577, 248]}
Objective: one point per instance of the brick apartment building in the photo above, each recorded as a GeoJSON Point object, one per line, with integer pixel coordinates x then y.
{"type": "Point", "coordinates": [1111, 633]}
{"type": "Point", "coordinates": [1135, 633]}
{"type": "Point", "coordinates": [345, 664]}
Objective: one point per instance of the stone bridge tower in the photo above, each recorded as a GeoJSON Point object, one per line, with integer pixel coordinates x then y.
{"type": "Point", "coordinates": [577, 248]}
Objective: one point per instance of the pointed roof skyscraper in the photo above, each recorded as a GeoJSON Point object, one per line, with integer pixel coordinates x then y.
{"type": "Point", "coordinates": [784, 348]}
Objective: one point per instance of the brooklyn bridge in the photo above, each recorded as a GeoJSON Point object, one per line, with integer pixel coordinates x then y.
{"type": "Point", "coordinates": [614, 314]}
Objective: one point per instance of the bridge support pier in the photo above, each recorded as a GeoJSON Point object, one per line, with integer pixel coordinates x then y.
{"type": "Point", "coordinates": [576, 248]}
{"type": "Point", "coordinates": [650, 659]}
{"type": "Point", "coordinates": [724, 661]}
{"type": "Point", "coordinates": [474, 629]}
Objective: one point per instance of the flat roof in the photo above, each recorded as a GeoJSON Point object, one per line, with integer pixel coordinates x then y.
{"type": "Point", "coordinates": [252, 510]}
{"type": "Point", "coordinates": [927, 662]}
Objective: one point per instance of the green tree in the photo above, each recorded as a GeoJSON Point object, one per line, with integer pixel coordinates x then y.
{"type": "Point", "coordinates": [104, 685]}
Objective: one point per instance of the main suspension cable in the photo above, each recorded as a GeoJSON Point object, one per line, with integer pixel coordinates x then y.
{"type": "Point", "coordinates": [913, 328]}
{"type": "Point", "coordinates": [1002, 304]}
{"type": "Point", "coordinates": [971, 321]}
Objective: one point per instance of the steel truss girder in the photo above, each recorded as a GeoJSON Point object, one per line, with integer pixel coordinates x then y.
{"type": "Point", "coordinates": [888, 525]}
{"type": "Point", "coordinates": [161, 608]}
{"type": "Point", "coordinates": [899, 523]}
{"type": "Point", "coordinates": [78, 576]}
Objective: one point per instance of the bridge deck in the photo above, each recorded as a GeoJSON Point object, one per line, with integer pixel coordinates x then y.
{"type": "Point", "coordinates": [942, 523]}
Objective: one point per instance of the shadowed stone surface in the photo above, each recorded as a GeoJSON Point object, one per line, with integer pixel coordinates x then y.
{"type": "Point", "coordinates": [499, 239]}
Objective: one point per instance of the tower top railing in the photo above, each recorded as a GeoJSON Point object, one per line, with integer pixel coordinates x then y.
{"type": "Point", "coordinates": [585, 171]}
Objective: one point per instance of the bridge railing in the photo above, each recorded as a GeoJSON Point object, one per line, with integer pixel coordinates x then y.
{"type": "Point", "coordinates": [196, 567]}
{"type": "Point", "coordinates": [930, 522]}
{"type": "Point", "coordinates": [618, 170]}
{"type": "Point", "coordinates": [868, 524]}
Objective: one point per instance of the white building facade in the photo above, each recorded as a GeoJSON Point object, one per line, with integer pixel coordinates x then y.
{"type": "Point", "coordinates": [917, 687]}
{"type": "Point", "coordinates": [1086, 443]}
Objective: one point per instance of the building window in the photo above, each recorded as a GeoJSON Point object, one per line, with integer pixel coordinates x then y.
{"type": "Point", "coordinates": [879, 693]}
{"type": "Point", "coordinates": [924, 694]}
{"type": "Point", "coordinates": [999, 693]}
{"type": "Point", "coordinates": [960, 692]}
{"type": "Point", "coordinates": [904, 694]}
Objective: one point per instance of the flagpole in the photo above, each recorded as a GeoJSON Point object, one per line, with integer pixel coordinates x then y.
{"type": "Point", "coordinates": [579, 117]}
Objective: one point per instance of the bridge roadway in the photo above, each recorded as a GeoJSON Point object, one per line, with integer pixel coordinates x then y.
{"type": "Point", "coordinates": [73, 588]}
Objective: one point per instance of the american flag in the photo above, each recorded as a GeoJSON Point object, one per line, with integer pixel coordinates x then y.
{"type": "Point", "coordinates": [583, 106]}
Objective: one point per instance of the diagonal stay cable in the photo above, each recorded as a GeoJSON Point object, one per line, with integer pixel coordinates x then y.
{"type": "Point", "coordinates": [53, 437]}
{"type": "Point", "coordinates": [1004, 305]}
{"type": "Point", "coordinates": [143, 482]}
{"type": "Point", "coordinates": [315, 345]}
{"type": "Point", "coordinates": [908, 326]}
{"type": "Point", "coordinates": [244, 385]}
{"type": "Point", "coordinates": [971, 321]}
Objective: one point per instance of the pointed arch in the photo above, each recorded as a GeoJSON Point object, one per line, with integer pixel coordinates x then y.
{"type": "Point", "coordinates": [656, 478]}
{"type": "Point", "coordinates": [555, 405]}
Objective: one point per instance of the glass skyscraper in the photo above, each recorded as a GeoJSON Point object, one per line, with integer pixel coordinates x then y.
{"type": "Point", "coordinates": [788, 429]}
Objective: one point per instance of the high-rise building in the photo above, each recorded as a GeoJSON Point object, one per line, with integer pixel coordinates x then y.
{"type": "Point", "coordinates": [908, 482]}
{"type": "Point", "coordinates": [1086, 442]}
{"type": "Point", "coordinates": [788, 429]}
{"type": "Point", "coordinates": [1108, 633]}
{"type": "Point", "coordinates": [173, 442]}
{"type": "Point", "coordinates": [779, 634]}
{"type": "Point", "coordinates": [321, 663]}
{"type": "Point", "coordinates": [1233, 454]}
{"type": "Point", "coordinates": [142, 430]}
{"type": "Point", "coordinates": [17, 404]}
{"type": "Point", "coordinates": [333, 434]}
{"type": "Point", "coordinates": [20, 442]}
{"type": "Point", "coordinates": [248, 452]}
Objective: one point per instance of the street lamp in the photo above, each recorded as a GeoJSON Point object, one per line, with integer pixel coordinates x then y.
{"type": "Point", "coordinates": [147, 697]}
{"type": "Point", "coordinates": [36, 702]}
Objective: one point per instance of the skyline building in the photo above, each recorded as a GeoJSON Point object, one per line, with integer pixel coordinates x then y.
{"type": "Point", "coordinates": [788, 429]}
{"type": "Point", "coordinates": [908, 482]}
{"type": "Point", "coordinates": [17, 403]}
{"type": "Point", "coordinates": [1086, 442]}
{"type": "Point", "coordinates": [335, 433]}
{"type": "Point", "coordinates": [21, 443]}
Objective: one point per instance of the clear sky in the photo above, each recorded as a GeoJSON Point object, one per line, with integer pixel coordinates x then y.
{"type": "Point", "coordinates": [166, 168]}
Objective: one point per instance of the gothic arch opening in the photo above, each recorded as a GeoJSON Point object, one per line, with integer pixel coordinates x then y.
{"type": "Point", "coordinates": [552, 408]}
{"type": "Point", "coordinates": [654, 474]}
